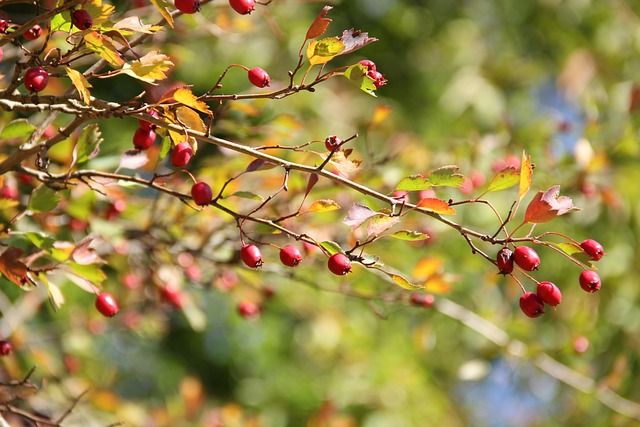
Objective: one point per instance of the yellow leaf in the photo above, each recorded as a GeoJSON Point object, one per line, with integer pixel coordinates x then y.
{"type": "Point", "coordinates": [526, 173]}
{"type": "Point", "coordinates": [324, 205]}
{"type": "Point", "coordinates": [99, 12]}
{"type": "Point", "coordinates": [134, 24]}
{"type": "Point", "coordinates": [186, 97]}
{"type": "Point", "coordinates": [190, 119]}
{"type": "Point", "coordinates": [426, 268]}
{"type": "Point", "coordinates": [81, 84]}
{"type": "Point", "coordinates": [150, 67]}
{"type": "Point", "coordinates": [323, 51]}
{"type": "Point", "coordinates": [404, 283]}
{"type": "Point", "coordinates": [437, 284]}
{"type": "Point", "coordinates": [437, 206]}
{"type": "Point", "coordinates": [104, 47]}
{"type": "Point", "coordinates": [164, 8]}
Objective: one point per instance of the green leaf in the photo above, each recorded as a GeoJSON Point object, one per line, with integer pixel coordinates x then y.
{"type": "Point", "coordinates": [409, 235]}
{"type": "Point", "coordinates": [331, 247]}
{"type": "Point", "coordinates": [90, 272]}
{"type": "Point", "coordinates": [40, 240]}
{"type": "Point", "coordinates": [446, 176]}
{"type": "Point", "coordinates": [357, 74]}
{"type": "Point", "coordinates": [415, 182]}
{"type": "Point", "coordinates": [61, 22]}
{"type": "Point", "coordinates": [506, 178]}
{"type": "Point", "coordinates": [267, 229]}
{"type": "Point", "coordinates": [246, 195]}
{"type": "Point", "coordinates": [130, 184]}
{"type": "Point", "coordinates": [575, 252]}
{"type": "Point", "coordinates": [167, 143]}
{"type": "Point", "coordinates": [19, 128]}
{"type": "Point", "coordinates": [43, 199]}
{"type": "Point", "coordinates": [88, 144]}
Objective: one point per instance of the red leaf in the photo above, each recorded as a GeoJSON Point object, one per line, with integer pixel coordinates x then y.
{"type": "Point", "coordinates": [548, 205]}
{"type": "Point", "coordinates": [359, 214]}
{"type": "Point", "coordinates": [354, 40]}
{"type": "Point", "coordinates": [436, 205]}
{"type": "Point", "coordinates": [313, 179]}
{"type": "Point", "coordinates": [319, 26]}
{"type": "Point", "coordinates": [13, 269]}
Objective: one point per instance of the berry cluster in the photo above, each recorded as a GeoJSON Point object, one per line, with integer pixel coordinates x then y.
{"type": "Point", "coordinates": [526, 258]}
{"type": "Point", "coordinates": [145, 135]}
{"type": "Point", "coordinates": [372, 73]}
{"type": "Point", "coordinates": [338, 263]}
{"type": "Point", "coordinates": [243, 7]}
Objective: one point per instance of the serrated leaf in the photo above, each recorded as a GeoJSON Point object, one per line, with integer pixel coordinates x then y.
{"type": "Point", "coordinates": [164, 7]}
{"type": "Point", "coordinates": [11, 267]}
{"type": "Point", "coordinates": [186, 97]}
{"type": "Point", "coordinates": [381, 223]}
{"type": "Point", "coordinates": [319, 25]}
{"type": "Point", "coordinates": [437, 206]}
{"type": "Point", "coordinates": [150, 68]}
{"type": "Point", "coordinates": [104, 47]}
{"type": "Point", "coordinates": [415, 182]}
{"type": "Point", "coordinates": [446, 176]}
{"type": "Point", "coordinates": [323, 51]}
{"type": "Point", "coordinates": [190, 119]}
{"type": "Point", "coordinates": [358, 214]}
{"type": "Point", "coordinates": [331, 247]}
{"type": "Point", "coordinates": [526, 174]}
{"type": "Point", "coordinates": [404, 283]}
{"type": "Point", "coordinates": [267, 229]}
{"type": "Point", "coordinates": [357, 74]}
{"type": "Point", "coordinates": [354, 40]}
{"type": "Point", "coordinates": [548, 205]}
{"type": "Point", "coordinates": [324, 205]}
{"type": "Point", "coordinates": [19, 128]}
{"type": "Point", "coordinates": [506, 178]}
{"type": "Point", "coordinates": [409, 235]}
{"type": "Point", "coordinates": [88, 145]}
{"type": "Point", "coordinates": [246, 195]}
{"type": "Point", "coordinates": [81, 84]}
{"type": "Point", "coordinates": [43, 199]}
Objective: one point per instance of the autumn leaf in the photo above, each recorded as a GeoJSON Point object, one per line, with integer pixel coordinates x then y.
{"type": "Point", "coordinates": [357, 74]}
{"type": "Point", "coordinates": [506, 178]}
{"type": "Point", "coordinates": [319, 25]}
{"type": "Point", "coordinates": [11, 267]}
{"type": "Point", "coordinates": [323, 205]}
{"type": "Point", "coordinates": [548, 205]}
{"type": "Point", "coordinates": [164, 7]}
{"type": "Point", "coordinates": [437, 206]}
{"type": "Point", "coordinates": [526, 173]}
{"type": "Point", "coordinates": [323, 51]}
{"type": "Point", "coordinates": [103, 46]}
{"type": "Point", "coordinates": [81, 84]}
{"type": "Point", "coordinates": [358, 214]}
{"type": "Point", "coordinates": [354, 40]}
{"type": "Point", "coordinates": [186, 97]}
{"type": "Point", "coordinates": [380, 224]}
{"type": "Point", "coordinates": [149, 68]}
{"type": "Point", "coordinates": [134, 24]}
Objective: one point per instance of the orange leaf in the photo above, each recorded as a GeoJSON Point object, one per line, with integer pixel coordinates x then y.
{"type": "Point", "coordinates": [186, 97]}
{"type": "Point", "coordinates": [319, 26]}
{"type": "Point", "coordinates": [437, 206]}
{"type": "Point", "coordinates": [548, 205]}
{"type": "Point", "coordinates": [427, 267]}
{"type": "Point", "coordinates": [13, 269]}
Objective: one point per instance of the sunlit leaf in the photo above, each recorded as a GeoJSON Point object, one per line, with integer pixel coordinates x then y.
{"type": "Point", "coordinates": [506, 178]}
{"type": "Point", "coordinates": [260, 165]}
{"type": "Point", "coordinates": [415, 182]}
{"type": "Point", "coordinates": [133, 159]}
{"type": "Point", "coordinates": [331, 247]}
{"type": "Point", "coordinates": [357, 74]}
{"type": "Point", "coordinates": [381, 223]}
{"type": "Point", "coordinates": [19, 128]}
{"type": "Point", "coordinates": [56, 299]}
{"type": "Point", "coordinates": [166, 145]}
{"type": "Point", "coordinates": [313, 179]}
{"type": "Point", "coordinates": [186, 97]}
{"type": "Point", "coordinates": [99, 11]}
{"type": "Point", "coordinates": [43, 199]}
{"type": "Point", "coordinates": [246, 195]}
{"type": "Point", "coordinates": [446, 176]}
{"type": "Point", "coordinates": [84, 254]}
{"type": "Point", "coordinates": [134, 24]}
{"type": "Point", "coordinates": [88, 145]}
{"type": "Point", "coordinates": [164, 7]}
{"type": "Point", "coordinates": [436, 205]}
{"type": "Point", "coordinates": [150, 68]}
{"type": "Point", "coordinates": [81, 84]}
{"type": "Point", "coordinates": [323, 206]}
{"type": "Point", "coordinates": [548, 205]}
{"type": "Point", "coordinates": [11, 267]}
{"type": "Point", "coordinates": [426, 268]}
{"type": "Point", "coordinates": [61, 22]}
{"type": "Point", "coordinates": [40, 240]}
{"type": "Point", "coordinates": [90, 272]}
{"type": "Point", "coordinates": [526, 173]}
{"type": "Point", "coordinates": [576, 252]}
{"type": "Point", "coordinates": [190, 119]}
{"type": "Point", "coordinates": [343, 164]}
{"type": "Point", "coordinates": [358, 214]}
{"type": "Point", "coordinates": [404, 283]}
{"type": "Point", "coordinates": [354, 40]}
{"type": "Point", "coordinates": [267, 229]}
{"type": "Point", "coordinates": [319, 25]}
{"type": "Point", "coordinates": [409, 235]}
{"type": "Point", "coordinates": [103, 46]}
{"type": "Point", "coordinates": [323, 51]}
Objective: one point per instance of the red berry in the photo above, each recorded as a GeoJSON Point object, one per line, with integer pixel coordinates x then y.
{"type": "Point", "coordinates": [33, 32]}
{"type": "Point", "coordinates": [9, 192]}
{"type": "Point", "coordinates": [526, 258]}
{"type": "Point", "coordinates": [251, 256]}
{"type": "Point", "coordinates": [36, 79]}
{"type": "Point", "coordinates": [593, 249]}
{"type": "Point", "coordinates": [81, 19]}
{"type": "Point", "coordinates": [243, 7]}
{"type": "Point", "coordinates": [1, 53]}
{"type": "Point", "coordinates": [549, 293]}
{"type": "Point", "coordinates": [339, 264]}
{"type": "Point", "coordinates": [504, 260]}
{"type": "Point", "coordinates": [173, 296]}
{"type": "Point", "coordinates": [259, 77]}
{"type": "Point", "coordinates": [4, 26]}
{"type": "Point", "coordinates": [148, 125]}
{"type": "Point", "coordinates": [422, 300]}
{"type": "Point", "coordinates": [590, 281]}
{"type": "Point", "coordinates": [248, 309]}
{"type": "Point", "coordinates": [378, 78]}
{"type": "Point", "coordinates": [370, 65]}
{"type": "Point", "coordinates": [332, 142]}
{"type": "Point", "coordinates": [181, 154]}
{"type": "Point", "coordinates": [290, 256]}
{"type": "Point", "coordinates": [201, 193]}
{"type": "Point", "coordinates": [143, 139]}
{"type": "Point", "coordinates": [187, 6]}
{"type": "Point", "coordinates": [5, 348]}
{"type": "Point", "coordinates": [106, 305]}
{"type": "Point", "coordinates": [531, 304]}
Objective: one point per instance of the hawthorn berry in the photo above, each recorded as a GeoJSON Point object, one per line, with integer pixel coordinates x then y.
{"type": "Point", "coordinates": [181, 154]}
{"type": "Point", "coordinates": [378, 78]}
{"type": "Point", "coordinates": [526, 258]}
{"type": "Point", "coordinates": [81, 19]}
{"type": "Point", "coordinates": [422, 300]}
{"type": "Point", "coordinates": [5, 348]}
{"type": "Point", "coordinates": [243, 7]}
{"type": "Point", "coordinates": [593, 249]}
{"type": "Point", "coordinates": [36, 79]}
{"type": "Point", "coordinates": [531, 304]}
{"type": "Point", "coordinates": [4, 26]}
{"type": "Point", "coordinates": [9, 192]}
{"type": "Point", "coordinates": [259, 77]}
{"type": "Point", "coordinates": [148, 125]}
{"type": "Point", "coordinates": [143, 138]}
{"type": "Point", "coordinates": [370, 65]}
{"type": "Point", "coordinates": [251, 256]}
{"type": "Point", "coordinates": [187, 6]}
{"type": "Point", "coordinates": [590, 281]}
{"type": "Point", "coordinates": [106, 304]}
{"type": "Point", "coordinates": [332, 142]}
{"type": "Point", "coordinates": [248, 309]}
{"type": "Point", "coordinates": [339, 264]}
{"type": "Point", "coordinates": [201, 193]}
{"type": "Point", "coordinates": [549, 293]}
{"type": "Point", "coordinates": [504, 260]}
{"type": "Point", "coordinates": [33, 32]}
{"type": "Point", "coordinates": [290, 256]}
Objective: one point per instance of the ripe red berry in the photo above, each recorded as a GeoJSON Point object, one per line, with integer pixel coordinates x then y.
{"type": "Point", "coordinates": [248, 309]}
{"type": "Point", "coordinates": [370, 65]}
{"type": "Point", "coordinates": [422, 300]}
{"type": "Point", "coordinates": [187, 6]}
{"type": "Point", "coordinates": [531, 304]}
{"type": "Point", "coordinates": [172, 296]}
{"type": "Point", "coordinates": [4, 26]}
{"type": "Point", "coordinates": [81, 19]}
{"type": "Point", "coordinates": [526, 258]}
{"type": "Point", "coordinates": [339, 264]}
{"type": "Point", "coordinates": [332, 142]}
{"type": "Point", "coordinates": [5, 348]}
{"type": "Point", "coordinates": [143, 139]}
{"type": "Point", "coordinates": [259, 77]}
{"type": "Point", "coordinates": [33, 32]}
{"type": "Point", "coordinates": [251, 256]}
{"type": "Point", "coordinates": [290, 256]}
{"type": "Point", "coordinates": [504, 260]}
{"type": "Point", "coordinates": [378, 78]}
{"type": "Point", "coordinates": [593, 249]}
{"type": "Point", "coordinates": [8, 191]}
{"type": "Point", "coordinates": [36, 79]}
{"type": "Point", "coordinates": [201, 193]}
{"type": "Point", "coordinates": [181, 154]}
{"type": "Point", "coordinates": [590, 281]}
{"type": "Point", "coordinates": [106, 305]}
{"type": "Point", "coordinates": [243, 7]}
{"type": "Point", "coordinates": [148, 125]}
{"type": "Point", "coordinates": [549, 293]}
